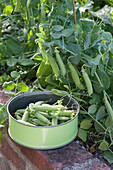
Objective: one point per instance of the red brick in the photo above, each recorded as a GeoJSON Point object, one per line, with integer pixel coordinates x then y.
{"type": "Point", "coordinates": [12, 155]}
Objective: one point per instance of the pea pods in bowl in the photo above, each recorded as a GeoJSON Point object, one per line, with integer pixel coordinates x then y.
{"type": "Point", "coordinates": [43, 120]}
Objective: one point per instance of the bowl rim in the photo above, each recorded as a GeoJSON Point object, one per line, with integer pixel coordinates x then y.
{"type": "Point", "coordinates": [42, 92]}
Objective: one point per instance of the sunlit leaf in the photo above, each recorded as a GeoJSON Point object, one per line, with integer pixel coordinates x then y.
{"type": "Point", "coordinates": [22, 87]}
{"type": "Point", "coordinates": [8, 10]}
{"type": "Point", "coordinates": [9, 85]}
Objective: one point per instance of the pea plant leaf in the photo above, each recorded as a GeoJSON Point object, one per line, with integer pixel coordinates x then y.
{"type": "Point", "coordinates": [87, 41]}
{"type": "Point", "coordinates": [8, 10]}
{"type": "Point", "coordinates": [57, 27]}
{"type": "Point", "coordinates": [8, 85]}
{"type": "Point", "coordinates": [25, 62]}
{"type": "Point", "coordinates": [56, 35]}
{"type": "Point", "coordinates": [12, 62]}
{"type": "Point", "coordinates": [100, 113]}
{"type": "Point", "coordinates": [86, 124]}
{"type": "Point", "coordinates": [82, 134]}
{"type": "Point", "coordinates": [22, 87]}
{"type": "Point", "coordinates": [3, 115]}
{"type": "Point", "coordinates": [104, 145]}
{"type": "Point", "coordinates": [67, 32]}
{"type": "Point", "coordinates": [92, 109]}
{"type": "Point", "coordinates": [15, 74]}
{"type": "Point", "coordinates": [108, 156]}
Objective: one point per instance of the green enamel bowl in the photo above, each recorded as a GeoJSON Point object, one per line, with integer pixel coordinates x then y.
{"type": "Point", "coordinates": [41, 137]}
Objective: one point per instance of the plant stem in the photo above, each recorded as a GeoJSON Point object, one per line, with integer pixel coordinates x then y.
{"type": "Point", "coordinates": [74, 12]}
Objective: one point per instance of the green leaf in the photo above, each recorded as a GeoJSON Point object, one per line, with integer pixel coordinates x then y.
{"type": "Point", "coordinates": [108, 156]}
{"type": "Point", "coordinates": [105, 80]}
{"type": "Point", "coordinates": [12, 62]}
{"type": "Point", "coordinates": [100, 113]}
{"type": "Point", "coordinates": [108, 122]}
{"type": "Point", "coordinates": [107, 36]}
{"type": "Point", "coordinates": [60, 43]}
{"type": "Point", "coordinates": [96, 60]}
{"type": "Point", "coordinates": [98, 127]}
{"type": "Point", "coordinates": [9, 85]}
{"type": "Point", "coordinates": [86, 124]}
{"type": "Point", "coordinates": [82, 134]}
{"type": "Point", "coordinates": [87, 41]}
{"type": "Point", "coordinates": [55, 35]}
{"type": "Point", "coordinates": [111, 47]}
{"type": "Point", "coordinates": [67, 32]}
{"type": "Point", "coordinates": [57, 27]}
{"type": "Point", "coordinates": [3, 115]}
{"type": "Point", "coordinates": [104, 145]}
{"type": "Point", "coordinates": [8, 10]}
{"type": "Point", "coordinates": [75, 48]}
{"type": "Point", "coordinates": [92, 109]}
{"type": "Point", "coordinates": [15, 74]}
{"type": "Point", "coordinates": [95, 99]}
{"type": "Point", "coordinates": [25, 62]}
{"type": "Point", "coordinates": [13, 46]}
{"type": "Point", "coordinates": [22, 87]}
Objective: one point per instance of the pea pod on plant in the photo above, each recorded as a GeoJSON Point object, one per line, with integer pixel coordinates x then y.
{"type": "Point", "coordinates": [28, 3]}
{"type": "Point", "coordinates": [108, 107]}
{"type": "Point", "coordinates": [43, 68]}
{"type": "Point", "coordinates": [44, 53]}
{"type": "Point", "coordinates": [17, 5]}
{"type": "Point", "coordinates": [54, 65]}
{"type": "Point", "coordinates": [88, 82]}
{"type": "Point", "coordinates": [60, 62]}
{"type": "Point", "coordinates": [75, 76]}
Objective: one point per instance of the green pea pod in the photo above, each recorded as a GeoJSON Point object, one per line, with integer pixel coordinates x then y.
{"type": "Point", "coordinates": [47, 107]}
{"type": "Point", "coordinates": [54, 121]}
{"type": "Point", "coordinates": [66, 113]}
{"type": "Point", "coordinates": [44, 53]}
{"type": "Point", "coordinates": [28, 3]}
{"type": "Point", "coordinates": [25, 115]}
{"type": "Point", "coordinates": [43, 68]}
{"type": "Point", "coordinates": [21, 111]}
{"type": "Point", "coordinates": [26, 123]}
{"type": "Point", "coordinates": [45, 114]}
{"type": "Point", "coordinates": [54, 65]}
{"type": "Point", "coordinates": [18, 117]}
{"type": "Point", "coordinates": [108, 107]}
{"type": "Point", "coordinates": [60, 92]}
{"type": "Point", "coordinates": [31, 106]}
{"type": "Point", "coordinates": [42, 118]}
{"type": "Point", "coordinates": [88, 82]}
{"type": "Point", "coordinates": [75, 76]}
{"type": "Point", "coordinates": [61, 64]}
{"type": "Point", "coordinates": [43, 12]}
{"type": "Point", "coordinates": [38, 122]}
{"type": "Point", "coordinates": [17, 5]}
{"type": "Point", "coordinates": [39, 103]}
{"type": "Point", "coordinates": [64, 118]}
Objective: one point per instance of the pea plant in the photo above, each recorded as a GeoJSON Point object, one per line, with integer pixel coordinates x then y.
{"type": "Point", "coordinates": [13, 88]}
{"type": "Point", "coordinates": [40, 39]}
{"type": "Point", "coordinates": [78, 59]}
